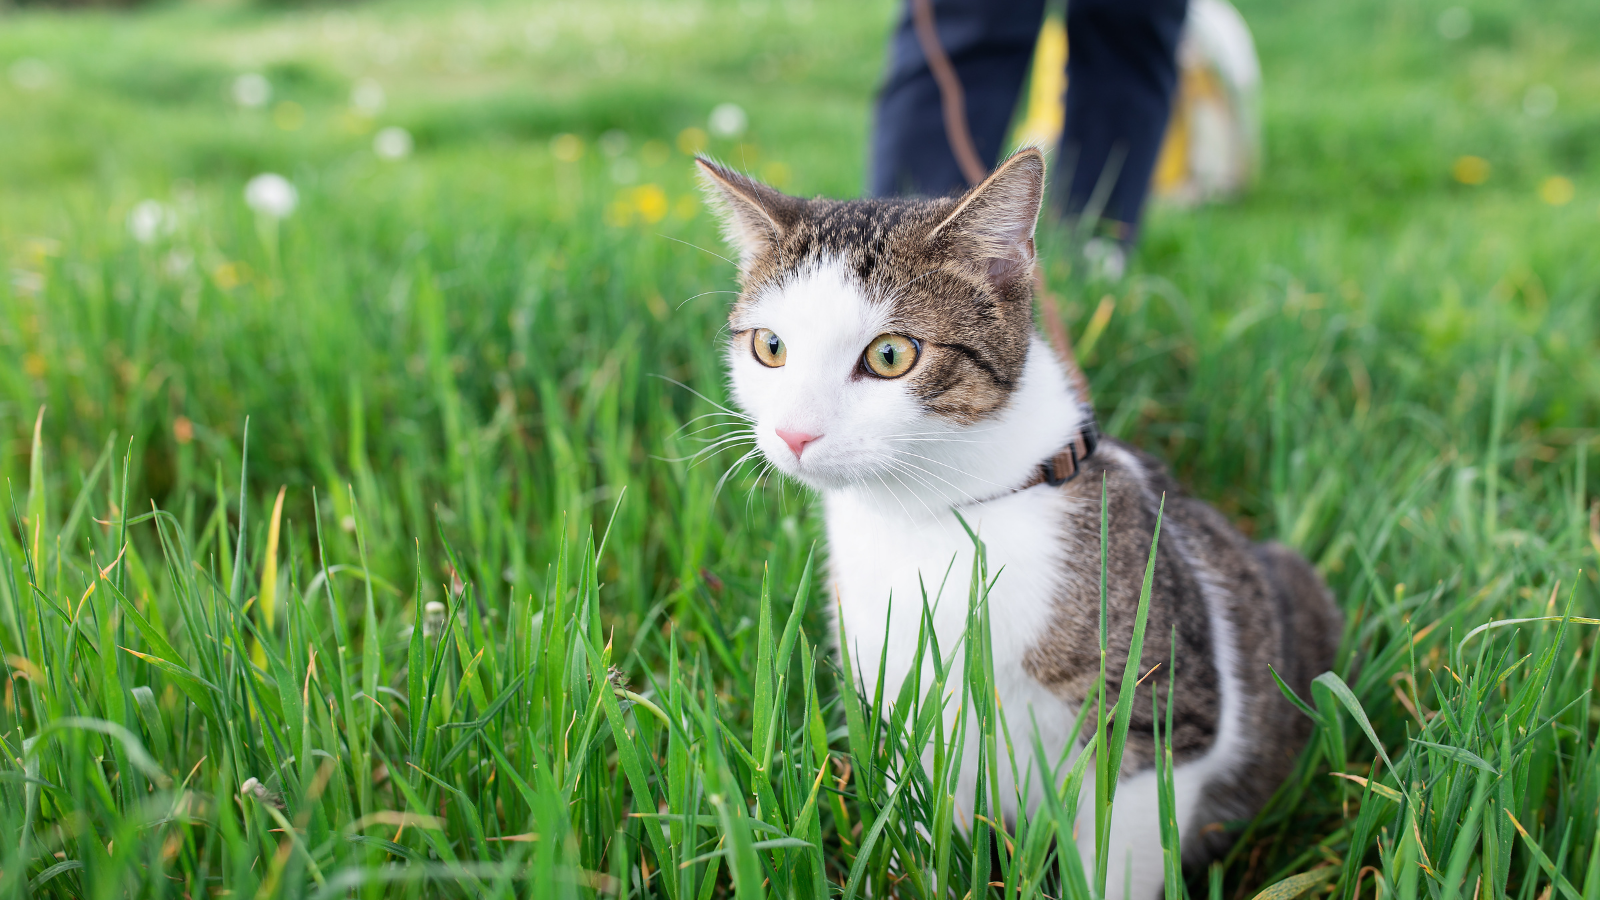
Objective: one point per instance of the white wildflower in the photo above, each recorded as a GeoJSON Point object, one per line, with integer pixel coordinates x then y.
{"type": "Point", "coordinates": [150, 219]}
{"type": "Point", "coordinates": [393, 142]}
{"type": "Point", "coordinates": [271, 195]}
{"type": "Point", "coordinates": [252, 90]}
{"type": "Point", "coordinates": [1539, 101]}
{"type": "Point", "coordinates": [728, 120]}
{"type": "Point", "coordinates": [178, 262]}
{"type": "Point", "coordinates": [31, 74]}
{"type": "Point", "coordinates": [256, 790]}
{"type": "Point", "coordinates": [367, 97]}
{"type": "Point", "coordinates": [432, 618]}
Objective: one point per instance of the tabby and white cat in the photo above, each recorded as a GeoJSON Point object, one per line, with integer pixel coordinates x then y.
{"type": "Point", "coordinates": [885, 353]}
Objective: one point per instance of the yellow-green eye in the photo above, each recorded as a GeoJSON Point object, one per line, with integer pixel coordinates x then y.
{"type": "Point", "coordinates": [890, 355]}
{"type": "Point", "coordinates": [768, 348]}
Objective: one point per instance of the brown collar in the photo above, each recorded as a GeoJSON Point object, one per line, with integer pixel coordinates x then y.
{"type": "Point", "coordinates": [1068, 462]}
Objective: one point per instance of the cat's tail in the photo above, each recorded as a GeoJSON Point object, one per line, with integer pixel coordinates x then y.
{"type": "Point", "coordinates": [1312, 621]}
{"type": "Point", "coordinates": [1311, 628]}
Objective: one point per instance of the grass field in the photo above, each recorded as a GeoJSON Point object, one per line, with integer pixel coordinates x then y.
{"type": "Point", "coordinates": [467, 369]}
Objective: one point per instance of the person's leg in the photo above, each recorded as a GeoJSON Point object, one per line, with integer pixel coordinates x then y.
{"type": "Point", "coordinates": [1122, 72]}
{"type": "Point", "coordinates": [990, 44]}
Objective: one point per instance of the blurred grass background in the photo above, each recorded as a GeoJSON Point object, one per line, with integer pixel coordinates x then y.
{"type": "Point", "coordinates": [1385, 354]}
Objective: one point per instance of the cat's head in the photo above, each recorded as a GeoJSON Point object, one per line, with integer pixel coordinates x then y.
{"type": "Point", "coordinates": [868, 332]}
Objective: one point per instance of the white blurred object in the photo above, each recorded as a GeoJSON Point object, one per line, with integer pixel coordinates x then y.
{"type": "Point", "coordinates": [271, 194]}
{"type": "Point", "coordinates": [391, 143]}
{"type": "Point", "coordinates": [367, 97]}
{"type": "Point", "coordinates": [728, 120]}
{"type": "Point", "coordinates": [614, 143]}
{"type": "Point", "coordinates": [178, 261]}
{"type": "Point", "coordinates": [1455, 23]}
{"type": "Point", "coordinates": [150, 219]}
{"type": "Point", "coordinates": [1539, 101]}
{"type": "Point", "coordinates": [31, 74]}
{"type": "Point", "coordinates": [624, 171]}
{"type": "Point", "coordinates": [1213, 144]}
{"type": "Point", "coordinates": [1106, 258]}
{"type": "Point", "coordinates": [252, 90]}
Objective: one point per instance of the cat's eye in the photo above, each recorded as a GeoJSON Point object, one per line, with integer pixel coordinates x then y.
{"type": "Point", "coordinates": [890, 355]}
{"type": "Point", "coordinates": [768, 348]}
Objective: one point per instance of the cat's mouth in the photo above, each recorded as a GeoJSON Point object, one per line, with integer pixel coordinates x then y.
{"type": "Point", "coordinates": [807, 456]}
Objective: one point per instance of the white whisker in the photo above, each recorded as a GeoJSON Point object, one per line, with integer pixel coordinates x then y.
{"type": "Point", "coordinates": [725, 442]}
{"type": "Point", "coordinates": [917, 494]}
{"type": "Point", "coordinates": [726, 428]}
{"type": "Point", "coordinates": [731, 412]}
{"type": "Point", "coordinates": [698, 247]}
{"type": "Point", "coordinates": [750, 495]}
{"type": "Point", "coordinates": [967, 497]}
{"type": "Point", "coordinates": [695, 459]}
{"type": "Point", "coordinates": [709, 415]}
{"type": "Point", "coordinates": [731, 469]}
{"type": "Point", "coordinates": [936, 462]}
{"type": "Point", "coordinates": [948, 431]}
{"type": "Point", "coordinates": [704, 293]}
{"type": "Point", "coordinates": [932, 441]}
{"type": "Point", "coordinates": [891, 492]}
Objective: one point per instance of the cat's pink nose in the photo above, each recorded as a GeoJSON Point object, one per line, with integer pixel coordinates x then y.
{"type": "Point", "coordinates": [797, 440]}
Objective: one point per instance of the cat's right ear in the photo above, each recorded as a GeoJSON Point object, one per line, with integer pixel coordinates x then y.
{"type": "Point", "coordinates": [754, 216]}
{"type": "Point", "coordinates": [996, 219]}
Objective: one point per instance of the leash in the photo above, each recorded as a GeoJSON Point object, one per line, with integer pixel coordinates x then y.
{"type": "Point", "coordinates": [953, 104]}
{"type": "Point", "coordinates": [1068, 461]}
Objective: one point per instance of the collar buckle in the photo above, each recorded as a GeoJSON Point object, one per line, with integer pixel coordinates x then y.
{"type": "Point", "coordinates": [1065, 465]}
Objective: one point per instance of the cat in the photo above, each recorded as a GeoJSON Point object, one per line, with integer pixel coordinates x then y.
{"type": "Point", "coordinates": [884, 351]}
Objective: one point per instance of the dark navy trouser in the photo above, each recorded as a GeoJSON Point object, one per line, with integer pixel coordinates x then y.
{"type": "Point", "coordinates": [1121, 74]}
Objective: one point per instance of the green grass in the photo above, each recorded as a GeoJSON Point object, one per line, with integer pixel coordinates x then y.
{"type": "Point", "coordinates": [449, 363]}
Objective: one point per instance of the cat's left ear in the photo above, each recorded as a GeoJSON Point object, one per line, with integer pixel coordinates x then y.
{"type": "Point", "coordinates": [996, 219]}
{"type": "Point", "coordinates": [754, 216]}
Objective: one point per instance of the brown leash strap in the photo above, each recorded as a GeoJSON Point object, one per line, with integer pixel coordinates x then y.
{"type": "Point", "coordinates": [952, 98]}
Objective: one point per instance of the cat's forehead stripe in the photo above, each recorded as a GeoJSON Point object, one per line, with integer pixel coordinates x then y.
{"type": "Point", "coordinates": [863, 234]}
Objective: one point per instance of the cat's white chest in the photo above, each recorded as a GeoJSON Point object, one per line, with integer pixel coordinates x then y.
{"type": "Point", "coordinates": [877, 553]}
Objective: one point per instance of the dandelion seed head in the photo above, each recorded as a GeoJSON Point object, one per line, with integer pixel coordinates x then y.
{"type": "Point", "coordinates": [31, 74]}
{"type": "Point", "coordinates": [432, 618]}
{"type": "Point", "coordinates": [271, 194]}
{"type": "Point", "coordinates": [1540, 101]}
{"type": "Point", "coordinates": [178, 262]}
{"type": "Point", "coordinates": [252, 90]}
{"type": "Point", "coordinates": [728, 120]}
{"type": "Point", "coordinates": [392, 143]}
{"type": "Point", "coordinates": [149, 220]}
{"type": "Point", "coordinates": [367, 97]}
